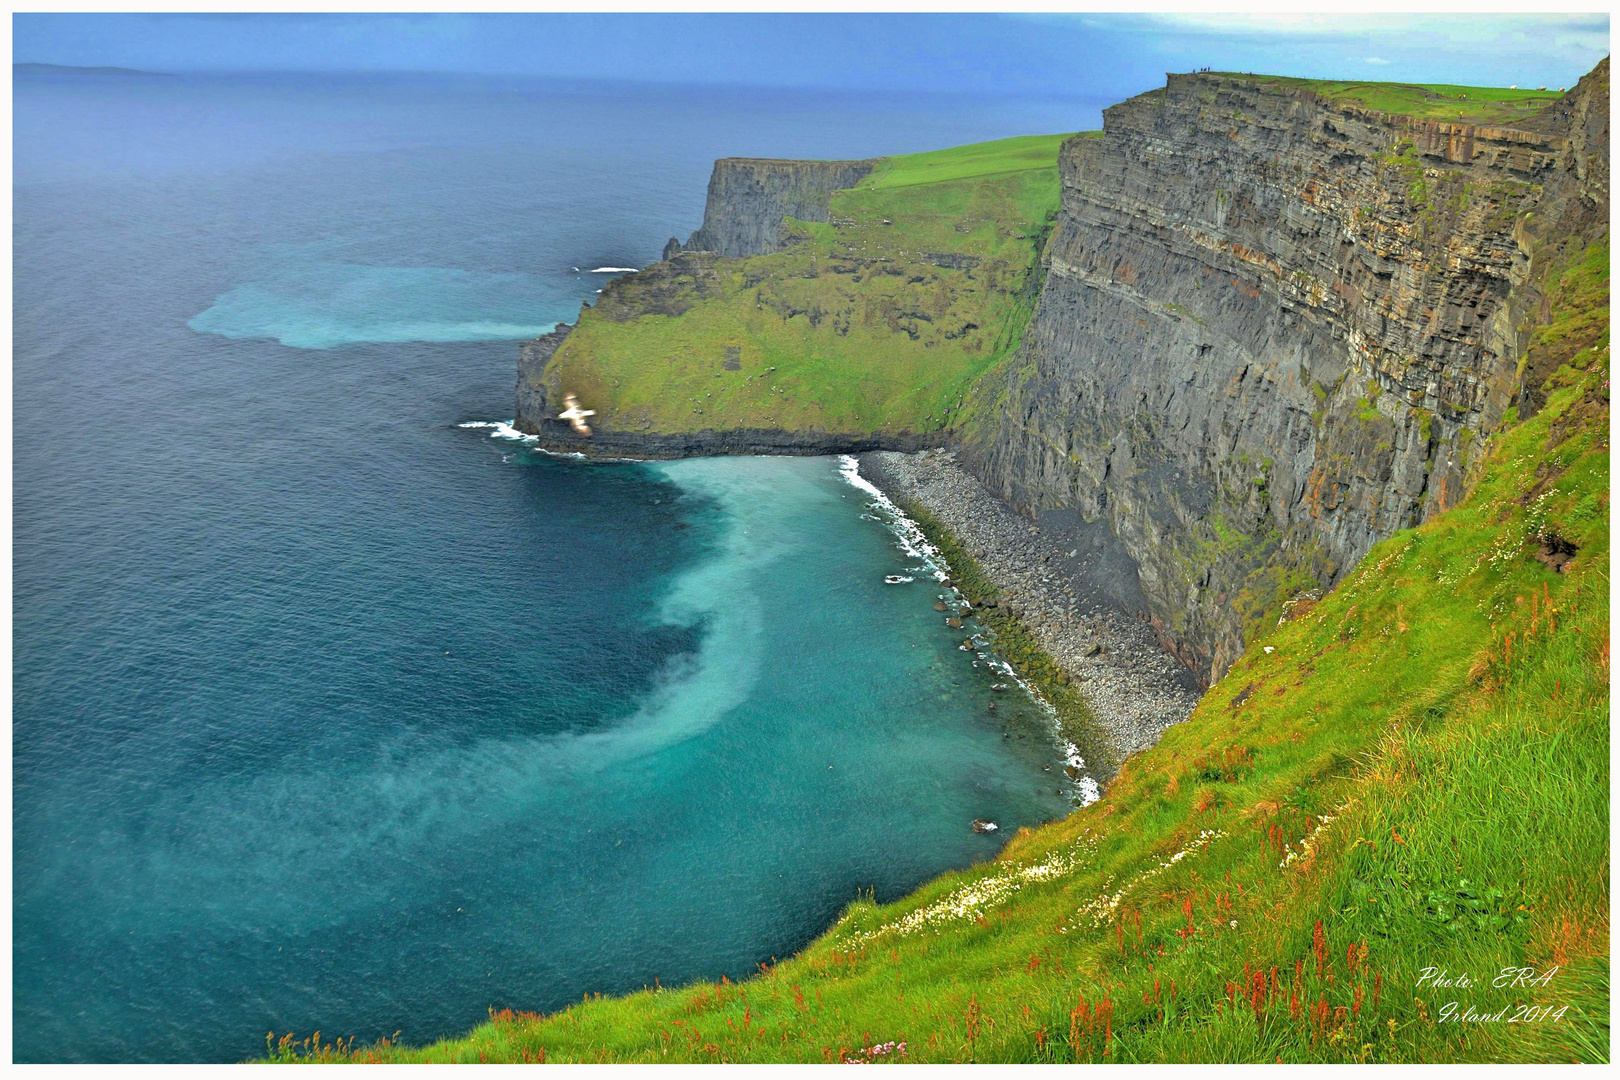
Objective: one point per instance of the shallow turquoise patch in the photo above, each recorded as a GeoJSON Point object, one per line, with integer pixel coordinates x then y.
{"type": "Point", "coordinates": [323, 305]}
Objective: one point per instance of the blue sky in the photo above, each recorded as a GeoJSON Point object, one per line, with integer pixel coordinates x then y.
{"type": "Point", "coordinates": [1046, 54]}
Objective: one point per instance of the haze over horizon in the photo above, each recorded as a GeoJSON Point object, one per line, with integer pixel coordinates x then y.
{"type": "Point", "coordinates": [1071, 55]}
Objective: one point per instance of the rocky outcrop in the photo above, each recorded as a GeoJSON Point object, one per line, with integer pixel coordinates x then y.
{"type": "Point", "coordinates": [629, 444]}
{"type": "Point", "coordinates": [1575, 206]}
{"type": "Point", "coordinates": [558, 436]}
{"type": "Point", "coordinates": [670, 288]}
{"type": "Point", "coordinates": [749, 197]}
{"type": "Point", "coordinates": [532, 404]}
{"type": "Point", "coordinates": [1275, 329]}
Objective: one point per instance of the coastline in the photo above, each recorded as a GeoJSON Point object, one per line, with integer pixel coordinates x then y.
{"type": "Point", "coordinates": [995, 637]}
{"type": "Point", "coordinates": [558, 437]}
{"type": "Point", "coordinates": [1073, 622]}
{"type": "Point", "coordinates": [1062, 585]}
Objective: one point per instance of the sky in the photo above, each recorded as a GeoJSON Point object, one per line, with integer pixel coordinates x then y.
{"type": "Point", "coordinates": [1080, 55]}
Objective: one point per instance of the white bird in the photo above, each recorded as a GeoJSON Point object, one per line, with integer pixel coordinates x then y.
{"type": "Point", "coordinates": [576, 415]}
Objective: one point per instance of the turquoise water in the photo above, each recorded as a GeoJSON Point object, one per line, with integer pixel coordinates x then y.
{"type": "Point", "coordinates": [331, 712]}
{"type": "Point", "coordinates": [310, 304]}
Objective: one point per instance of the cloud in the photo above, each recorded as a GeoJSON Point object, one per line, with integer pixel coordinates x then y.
{"type": "Point", "coordinates": [1306, 24]}
{"type": "Point", "coordinates": [1375, 60]}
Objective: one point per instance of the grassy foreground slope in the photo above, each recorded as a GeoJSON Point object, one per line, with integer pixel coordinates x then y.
{"type": "Point", "coordinates": [878, 320]}
{"type": "Point", "coordinates": [1407, 776]}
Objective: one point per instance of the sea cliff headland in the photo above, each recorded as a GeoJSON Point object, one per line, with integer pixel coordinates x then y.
{"type": "Point", "coordinates": [1317, 376]}
{"type": "Point", "coordinates": [1254, 325]}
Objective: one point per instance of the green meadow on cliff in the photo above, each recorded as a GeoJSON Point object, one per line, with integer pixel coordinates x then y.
{"type": "Point", "coordinates": [881, 319]}
{"type": "Point", "coordinates": [1490, 105]}
{"type": "Point", "coordinates": [1403, 783]}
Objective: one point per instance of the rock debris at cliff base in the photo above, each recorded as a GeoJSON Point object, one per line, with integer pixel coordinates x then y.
{"type": "Point", "coordinates": [1066, 585]}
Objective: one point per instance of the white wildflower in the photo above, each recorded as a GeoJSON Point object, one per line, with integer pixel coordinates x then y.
{"type": "Point", "coordinates": [972, 900]}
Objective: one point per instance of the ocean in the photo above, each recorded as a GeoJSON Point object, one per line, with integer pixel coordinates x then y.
{"type": "Point", "coordinates": [336, 709]}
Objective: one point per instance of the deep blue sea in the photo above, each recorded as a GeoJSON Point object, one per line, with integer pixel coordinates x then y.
{"type": "Point", "coordinates": [333, 713]}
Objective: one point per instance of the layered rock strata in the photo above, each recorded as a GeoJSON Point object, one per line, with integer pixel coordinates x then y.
{"type": "Point", "coordinates": [749, 197]}
{"type": "Point", "coordinates": [1275, 330]}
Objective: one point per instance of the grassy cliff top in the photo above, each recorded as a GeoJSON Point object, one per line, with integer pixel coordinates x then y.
{"type": "Point", "coordinates": [1486, 105]}
{"type": "Point", "coordinates": [1410, 773]}
{"type": "Point", "coordinates": [1022, 153]}
{"type": "Point", "coordinates": [878, 320]}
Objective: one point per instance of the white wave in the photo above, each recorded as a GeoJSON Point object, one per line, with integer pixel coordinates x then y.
{"type": "Point", "coordinates": [907, 532]}
{"type": "Point", "coordinates": [914, 543]}
{"type": "Point", "coordinates": [617, 270]}
{"type": "Point", "coordinates": [500, 429]}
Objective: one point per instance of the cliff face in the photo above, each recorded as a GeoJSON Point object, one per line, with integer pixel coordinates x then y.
{"type": "Point", "coordinates": [1274, 330]}
{"type": "Point", "coordinates": [533, 407]}
{"type": "Point", "coordinates": [749, 197]}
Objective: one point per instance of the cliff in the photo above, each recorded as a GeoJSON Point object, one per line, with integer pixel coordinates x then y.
{"type": "Point", "coordinates": [1410, 774]}
{"type": "Point", "coordinates": [749, 197]}
{"type": "Point", "coordinates": [858, 321]}
{"type": "Point", "coordinates": [1257, 325]}
{"type": "Point", "coordinates": [1278, 327]}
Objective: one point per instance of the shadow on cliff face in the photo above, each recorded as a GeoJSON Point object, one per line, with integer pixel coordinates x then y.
{"type": "Point", "coordinates": [1100, 569]}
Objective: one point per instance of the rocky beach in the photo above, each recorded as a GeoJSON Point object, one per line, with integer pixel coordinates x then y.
{"type": "Point", "coordinates": [1068, 581]}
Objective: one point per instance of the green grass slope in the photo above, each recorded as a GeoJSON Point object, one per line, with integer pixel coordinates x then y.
{"type": "Point", "coordinates": [879, 320]}
{"type": "Point", "coordinates": [1401, 784]}
{"type": "Point", "coordinates": [1484, 105]}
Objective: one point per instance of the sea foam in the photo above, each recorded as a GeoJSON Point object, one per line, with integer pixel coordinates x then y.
{"type": "Point", "coordinates": [914, 542]}
{"type": "Point", "coordinates": [500, 429]}
{"type": "Point", "coordinates": [310, 304]}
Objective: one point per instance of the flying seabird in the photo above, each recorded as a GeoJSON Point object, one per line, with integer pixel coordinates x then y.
{"type": "Point", "coordinates": [576, 415]}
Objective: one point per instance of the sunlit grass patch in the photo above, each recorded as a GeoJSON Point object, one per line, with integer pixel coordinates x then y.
{"type": "Point", "coordinates": [1498, 105]}
{"type": "Point", "coordinates": [880, 320]}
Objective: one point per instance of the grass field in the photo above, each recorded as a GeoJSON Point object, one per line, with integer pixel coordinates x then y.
{"type": "Point", "coordinates": [1407, 777]}
{"type": "Point", "coordinates": [1490, 105]}
{"type": "Point", "coordinates": [879, 320]}
{"type": "Point", "coordinates": [1026, 153]}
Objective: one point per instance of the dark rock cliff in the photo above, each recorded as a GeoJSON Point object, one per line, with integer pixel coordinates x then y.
{"type": "Point", "coordinates": [749, 197]}
{"type": "Point", "coordinates": [1275, 330]}
{"type": "Point", "coordinates": [533, 409]}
